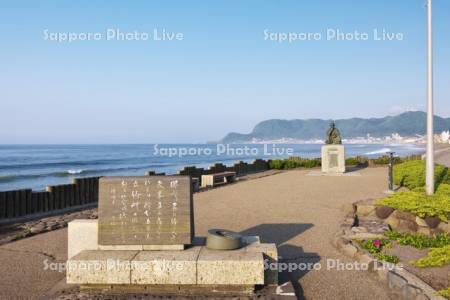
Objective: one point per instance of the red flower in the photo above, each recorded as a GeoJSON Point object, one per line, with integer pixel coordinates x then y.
{"type": "Point", "coordinates": [377, 243]}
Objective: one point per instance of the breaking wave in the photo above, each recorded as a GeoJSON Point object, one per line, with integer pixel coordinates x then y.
{"type": "Point", "coordinates": [379, 151]}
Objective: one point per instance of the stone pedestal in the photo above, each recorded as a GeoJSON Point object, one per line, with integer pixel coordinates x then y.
{"type": "Point", "coordinates": [131, 265]}
{"type": "Point", "coordinates": [333, 159]}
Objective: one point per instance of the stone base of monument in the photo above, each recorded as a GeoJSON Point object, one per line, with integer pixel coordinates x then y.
{"type": "Point", "coordinates": [333, 159]}
{"type": "Point", "coordinates": [194, 268]}
{"type": "Point", "coordinates": [63, 291]}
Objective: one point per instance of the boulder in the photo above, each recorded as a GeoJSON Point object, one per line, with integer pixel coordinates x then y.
{"type": "Point", "coordinates": [392, 221]}
{"type": "Point", "coordinates": [421, 222]}
{"type": "Point", "coordinates": [359, 229]}
{"type": "Point", "coordinates": [365, 209]}
{"type": "Point", "coordinates": [445, 227]}
{"type": "Point", "coordinates": [424, 230]}
{"type": "Point", "coordinates": [403, 215]}
{"type": "Point", "coordinates": [407, 226]}
{"type": "Point", "coordinates": [432, 222]}
{"type": "Point", "coordinates": [349, 250]}
{"type": "Point", "coordinates": [396, 281]}
{"type": "Point", "coordinates": [383, 212]}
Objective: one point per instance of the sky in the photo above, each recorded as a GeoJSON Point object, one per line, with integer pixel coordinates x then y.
{"type": "Point", "coordinates": [228, 70]}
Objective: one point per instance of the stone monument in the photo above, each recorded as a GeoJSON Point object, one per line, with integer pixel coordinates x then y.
{"type": "Point", "coordinates": [145, 211]}
{"type": "Point", "coordinates": [333, 153]}
{"type": "Point", "coordinates": [144, 241]}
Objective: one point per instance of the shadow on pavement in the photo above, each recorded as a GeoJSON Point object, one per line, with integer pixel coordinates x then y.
{"type": "Point", "coordinates": [277, 233]}
{"type": "Point", "coordinates": [290, 256]}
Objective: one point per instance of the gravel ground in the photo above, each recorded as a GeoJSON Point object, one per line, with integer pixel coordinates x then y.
{"type": "Point", "coordinates": [299, 213]}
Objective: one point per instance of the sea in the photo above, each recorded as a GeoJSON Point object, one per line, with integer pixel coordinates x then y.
{"type": "Point", "coordinates": [37, 166]}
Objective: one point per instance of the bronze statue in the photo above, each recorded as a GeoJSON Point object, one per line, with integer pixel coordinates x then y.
{"type": "Point", "coordinates": [333, 135]}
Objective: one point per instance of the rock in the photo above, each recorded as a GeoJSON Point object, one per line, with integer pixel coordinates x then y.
{"type": "Point", "coordinates": [365, 236]}
{"type": "Point", "coordinates": [392, 221]}
{"type": "Point", "coordinates": [410, 291]}
{"type": "Point", "coordinates": [436, 231]}
{"type": "Point", "coordinates": [432, 222]}
{"type": "Point", "coordinates": [349, 250]}
{"type": "Point", "coordinates": [445, 227]}
{"type": "Point", "coordinates": [365, 209]}
{"type": "Point", "coordinates": [382, 269]}
{"type": "Point", "coordinates": [396, 281]}
{"type": "Point", "coordinates": [359, 229]}
{"type": "Point", "coordinates": [424, 230]}
{"type": "Point", "coordinates": [340, 242]}
{"type": "Point", "coordinates": [421, 222]}
{"type": "Point", "coordinates": [383, 212]}
{"type": "Point", "coordinates": [349, 221]}
{"type": "Point", "coordinates": [37, 228]}
{"type": "Point", "coordinates": [407, 226]}
{"type": "Point", "coordinates": [52, 226]}
{"type": "Point", "coordinates": [422, 297]}
{"type": "Point", "coordinates": [402, 215]}
{"type": "Point", "coordinates": [366, 260]}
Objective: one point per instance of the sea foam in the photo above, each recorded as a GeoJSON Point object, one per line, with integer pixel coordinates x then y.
{"type": "Point", "coordinates": [379, 151]}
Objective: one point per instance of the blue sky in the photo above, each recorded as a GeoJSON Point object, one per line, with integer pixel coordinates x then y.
{"type": "Point", "coordinates": [223, 76]}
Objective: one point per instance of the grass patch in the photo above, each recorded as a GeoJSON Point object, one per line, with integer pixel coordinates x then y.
{"type": "Point", "coordinates": [444, 293]}
{"type": "Point", "coordinates": [437, 257]}
{"type": "Point", "coordinates": [411, 174]}
{"type": "Point", "coordinates": [419, 204]}
{"type": "Point", "coordinates": [419, 241]}
{"type": "Point", "coordinates": [387, 258]}
{"type": "Point", "coordinates": [375, 247]}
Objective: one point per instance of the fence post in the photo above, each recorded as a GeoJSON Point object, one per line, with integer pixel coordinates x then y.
{"type": "Point", "coordinates": [28, 209]}
{"type": "Point", "coordinates": [34, 202]}
{"type": "Point", "coordinates": [3, 205]}
{"type": "Point", "coordinates": [50, 198]}
{"type": "Point", "coordinates": [17, 203]}
{"type": "Point", "coordinates": [76, 184]}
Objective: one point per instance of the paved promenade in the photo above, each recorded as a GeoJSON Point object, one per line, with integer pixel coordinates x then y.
{"type": "Point", "coordinates": [300, 213]}
{"type": "Point", "coordinates": [443, 156]}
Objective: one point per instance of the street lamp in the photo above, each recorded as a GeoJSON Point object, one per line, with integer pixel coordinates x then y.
{"type": "Point", "coordinates": [430, 114]}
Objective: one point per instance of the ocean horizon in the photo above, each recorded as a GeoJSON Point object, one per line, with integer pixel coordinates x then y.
{"type": "Point", "coordinates": [37, 166]}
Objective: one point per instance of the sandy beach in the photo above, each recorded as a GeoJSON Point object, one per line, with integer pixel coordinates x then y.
{"type": "Point", "coordinates": [298, 212]}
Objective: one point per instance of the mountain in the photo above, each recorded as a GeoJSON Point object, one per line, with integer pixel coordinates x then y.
{"type": "Point", "coordinates": [406, 124]}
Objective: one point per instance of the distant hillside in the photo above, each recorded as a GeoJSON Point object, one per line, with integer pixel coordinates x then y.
{"type": "Point", "coordinates": [406, 124]}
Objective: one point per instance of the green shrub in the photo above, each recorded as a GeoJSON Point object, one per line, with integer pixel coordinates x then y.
{"type": "Point", "coordinates": [419, 241]}
{"type": "Point", "coordinates": [385, 159]}
{"type": "Point", "coordinates": [312, 163]}
{"type": "Point", "coordinates": [387, 258]}
{"type": "Point", "coordinates": [419, 204]}
{"type": "Point", "coordinates": [276, 164]}
{"type": "Point", "coordinates": [437, 257]}
{"type": "Point", "coordinates": [444, 293]}
{"type": "Point", "coordinates": [352, 161]}
{"type": "Point", "coordinates": [294, 162]}
{"type": "Point", "coordinates": [411, 174]}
